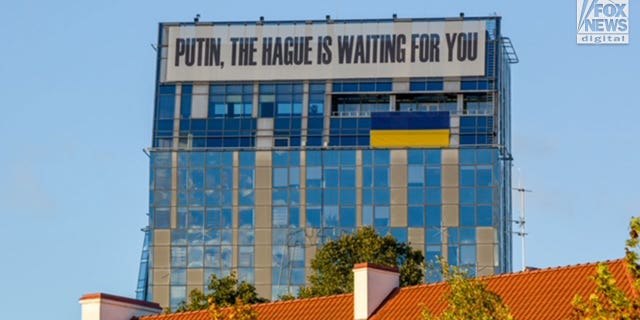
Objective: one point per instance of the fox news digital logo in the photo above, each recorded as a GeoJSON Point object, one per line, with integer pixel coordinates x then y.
{"type": "Point", "coordinates": [603, 21]}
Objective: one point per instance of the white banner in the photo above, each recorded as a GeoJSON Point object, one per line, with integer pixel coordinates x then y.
{"type": "Point", "coordinates": [324, 51]}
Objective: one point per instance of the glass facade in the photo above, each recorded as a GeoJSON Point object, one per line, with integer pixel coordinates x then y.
{"type": "Point", "coordinates": [255, 176]}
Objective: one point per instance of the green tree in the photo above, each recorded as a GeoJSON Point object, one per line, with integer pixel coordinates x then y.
{"type": "Point", "coordinates": [609, 301]}
{"type": "Point", "coordinates": [237, 311]}
{"type": "Point", "coordinates": [332, 266]}
{"type": "Point", "coordinates": [468, 299]}
{"type": "Point", "coordinates": [224, 292]}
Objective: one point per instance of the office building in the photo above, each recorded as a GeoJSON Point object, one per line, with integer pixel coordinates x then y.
{"type": "Point", "coordinates": [273, 137]}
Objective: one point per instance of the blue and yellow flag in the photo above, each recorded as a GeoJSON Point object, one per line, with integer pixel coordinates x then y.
{"type": "Point", "coordinates": [410, 129]}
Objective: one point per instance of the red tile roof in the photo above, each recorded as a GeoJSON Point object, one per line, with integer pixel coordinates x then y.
{"type": "Point", "coordinates": [338, 306]}
{"type": "Point", "coordinates": [541, 294]}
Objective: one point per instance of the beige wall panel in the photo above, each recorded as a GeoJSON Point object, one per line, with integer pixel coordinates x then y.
{"type": "Point", "coordinates": [450, 156]}
{"type": "Point", "coordinates": [161, 277]}
{"type": "Point", "coordinates": [161, 295]}
{"type": "Point", "coordinates": [263, 158]}
{"type": "Point", "coordinates": [359, 187]}
{"type": "Point", "coordinates": [398, 176]}
{"type": "Point", "coordinates": [399, 196]}
{"type": "Point", "coordinates": [416, 236]}
{"type": "Point", "coordinates": [263, 197]}
{"type": "Point", "coordinates": [263, 177]}
{"type": "Point", "coordinates": [263, 218]}
{"type": "Point", "coordinates": [263, 276]}
{"type": "Point", "coordinates": [486, 235]}
{"type": "Point", "coordinates": [263, 256]}
{"type": "Point", "coordinates": [450, 195]}
{"type": "Point", "coordinates": [486, 255]}
{"type": "Point", "coordinates": [195, 277]}
{"type": "Point", "coordinates": [399, 157]}
{"type": "Point", "coordinates": [161, 257]}
{"type": "Point", "coordinates": [161, 237]}
{"type": "Point", "coordinates": [398, 216]}
{"type": "Point", "coordinates": [450, 176]}
{"type": "Point", "coordinates": [450, 216]}
{"type": "Point", "coordinates": [264, 291]}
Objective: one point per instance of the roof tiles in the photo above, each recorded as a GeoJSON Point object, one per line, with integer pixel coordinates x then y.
{"type": "Point", "coordinates": [540, 294]}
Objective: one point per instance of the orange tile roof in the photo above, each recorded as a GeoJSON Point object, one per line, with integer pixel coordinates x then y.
{"type": "Point", "coordinates": [540, 294]}
{"type": "Point", "coordinates": [338, 306]}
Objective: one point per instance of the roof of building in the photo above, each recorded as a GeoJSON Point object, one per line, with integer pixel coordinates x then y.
{"type": "Point", "coordinates": [540, 294]}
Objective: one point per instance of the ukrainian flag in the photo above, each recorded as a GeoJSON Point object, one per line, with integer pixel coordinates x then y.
{"type": "Point", "coordinates": [409, 129]}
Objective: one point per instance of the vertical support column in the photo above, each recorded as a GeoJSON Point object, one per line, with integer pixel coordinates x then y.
{"type": "Point", "coordinates": [450, 194]}
{"type": "Point", "coordinates": [359, 188]}
{"type": "Point", "coordinates": [399, 188]}
{"type": "Point", "coordinates": [305, 113]}
{"type": "Point", "coordinates": [235, 210]}
{"type": "Point", "coordinates": [160, 274]}
{"type": "Point", "coordinates": [263, 239]}
{"type": "Point", "coordinates": [327, 113]}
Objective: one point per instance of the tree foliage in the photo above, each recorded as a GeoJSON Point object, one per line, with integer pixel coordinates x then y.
{"type": "Point", "coordinates": [224, 292]}
{"type": "Point", "coordinates": [609, 301]}
{"type": "Point", "coordinates": [238, 311]}
{"type": "Point", "coordinates": [333, 263]}
{"type": "Point", "coordinates": [468, 299]}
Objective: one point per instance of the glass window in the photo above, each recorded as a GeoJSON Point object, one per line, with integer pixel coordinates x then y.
{"type": "Point", "coordinates": [467, 235]}
{"type": "Point", "coordinates": [280, 217]}
{"type": "Point", "coordinates": [415, 216]}
{"type": "Point", "coordinates": [348, 217]}
{"type": "Point", "coordinates": [467, 176]}
{"type": "Point", "coordinates": [484, 176]}
{"type": "Point", "coordinates": [433, 176]}
{"type": "Point", "coordinates": [178, 276]}
{"type": "Point", "coordinates": [178, 237]}
{"type": "Point", "coordinates": [314, 217]}
{"type": "Point", "coordinates": [367, 215]}
{"type": "Point", "coordinates": [433, 236]}
{"type": "Point", "coordinates": [434, 216]}
{"type": "Point", "coordinates": [195, 257]}
{"type": "Point", "coordinates": [178, 256]}
{"type": "Point", "coordinates": [178, 294]}
{"type": "Point", "coordinates": [485, 216]}
{"type": "Point", "coordinates": [280, 177]}
{"type": "Point", "coordinates": [467, 216]}
{"type": "Point", "coordinates": [245, 218]}
{"type": "Point", "coordinates": [195, 236]}
{"type": "Point", "coordinates": [400, 234]}
{"type": "Point", "coordinates": [381, 216]}
{"type": "Point", "coordinates": [330, 216]}
{"type": "Point", "coordinates": [212, 257]}
{"type": "Point", "coordinates": [416, 175]}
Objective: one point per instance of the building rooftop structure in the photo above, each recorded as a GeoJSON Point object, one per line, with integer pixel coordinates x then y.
{"type": "Point", "coordinates": [272, 138]}
{"type": "Point", "coordinates": [540, 294]}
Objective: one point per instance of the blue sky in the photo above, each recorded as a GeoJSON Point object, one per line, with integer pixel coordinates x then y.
{"type": "Point", "coordinates": [76, 90]}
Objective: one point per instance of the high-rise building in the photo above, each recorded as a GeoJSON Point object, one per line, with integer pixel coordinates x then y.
{"type": "Point", "coordinates": [272, 137]}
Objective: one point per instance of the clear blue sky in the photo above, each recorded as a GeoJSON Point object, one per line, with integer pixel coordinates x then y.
{"type": "Point", "coordinates": [76, 92]}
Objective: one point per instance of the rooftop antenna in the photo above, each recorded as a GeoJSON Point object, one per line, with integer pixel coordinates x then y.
{"type": "Point", "coordinates": [522, 233]}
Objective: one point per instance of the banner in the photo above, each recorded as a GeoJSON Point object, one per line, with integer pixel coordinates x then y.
{"type": "Point", "coordinates": [324, 51]}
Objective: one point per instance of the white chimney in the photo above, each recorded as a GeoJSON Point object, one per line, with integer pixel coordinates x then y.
{"type": "Point", "coordinates": [371, 286]}
{"type": "Point", "coordinates": [101, 306]}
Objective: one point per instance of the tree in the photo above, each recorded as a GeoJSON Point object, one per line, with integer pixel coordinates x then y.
{"type": "Point", "coordinates": [238, 311]}
{"type": "Point", "coordinates": [468, 299]}
{"type": "Point", "coordinates": [333, 263]}
{"type": "Point", "coordinates": [224, 292]}
{"type": "Point", "coordinates": [609, 301]}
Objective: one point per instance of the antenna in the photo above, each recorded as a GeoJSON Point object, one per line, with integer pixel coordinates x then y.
{"type": "Point", "coordinates": [522, 233]}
